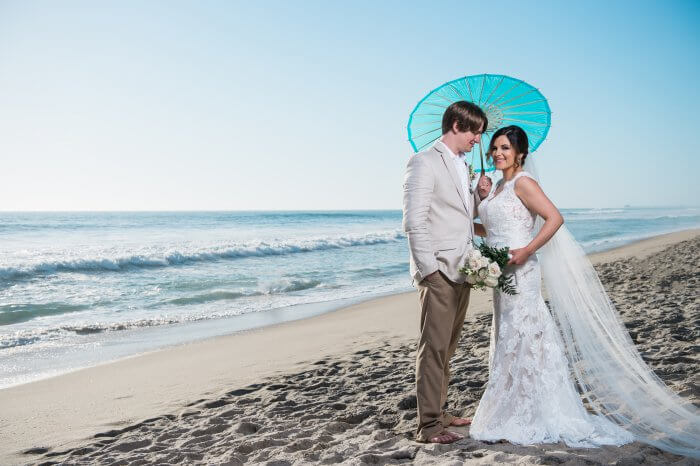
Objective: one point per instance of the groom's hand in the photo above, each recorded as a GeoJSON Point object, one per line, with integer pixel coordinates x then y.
{"type": "Point", "coordinates": [518, 256]}
{"type": "Point", "coordinates": [430, 276]}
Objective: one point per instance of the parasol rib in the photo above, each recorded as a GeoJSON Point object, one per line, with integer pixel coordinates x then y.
{"type": "Point", "coordinates": [506, 93]}
{"type": "Point", "coordinates": [518, 96]}
{"type": "Point", "coordinates": [526, 113]}
{"type": "Point", "coordinates": [459, 94]}
{"type": "Point", "coordinates": [536, 123]}
{"type": "Point", "coordinates": [429, 142]}
{"type": "Point", "coordinates": [434, 105]}
{"type": "Point", "coordinates": [481, 92]}
{"type": "Point", "coordinates": [469, 89]}
{"type": "Point", "coordinates": [494, 90]}
{"type": "Point", "coordinates": [427, 132]}
{"type": "Point", "coordinates": [424, 123]}
{"type": "Point", "coordinates": [444, 98]}
{"type": "Point", "coordinates": [526, 103]}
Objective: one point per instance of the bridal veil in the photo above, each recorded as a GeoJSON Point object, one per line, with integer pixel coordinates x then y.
{"type": "Point", "coordinates": [609, 371]}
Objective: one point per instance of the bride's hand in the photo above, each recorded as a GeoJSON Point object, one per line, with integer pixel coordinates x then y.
{"type": "Point", "coordinates": [518, 256]}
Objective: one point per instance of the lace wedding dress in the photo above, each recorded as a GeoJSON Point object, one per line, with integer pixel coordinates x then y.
{"type": "Point", "coordinates": [530, 397]}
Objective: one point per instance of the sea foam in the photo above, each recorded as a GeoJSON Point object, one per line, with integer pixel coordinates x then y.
{"type": "Point", "coordinates": [176, 257]}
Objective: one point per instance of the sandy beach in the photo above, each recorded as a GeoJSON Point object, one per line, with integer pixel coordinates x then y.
{"type": "Point", "coordinates": [337, 387]}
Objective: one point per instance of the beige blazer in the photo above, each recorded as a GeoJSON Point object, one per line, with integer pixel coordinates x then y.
{"type": "Point", "coordinates": [438, 215]}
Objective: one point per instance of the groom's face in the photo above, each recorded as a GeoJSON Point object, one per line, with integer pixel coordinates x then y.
{"type": "Point", "coordinates": [467, 139]}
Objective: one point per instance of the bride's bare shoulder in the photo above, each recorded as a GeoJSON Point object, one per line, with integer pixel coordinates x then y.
{"type": "Point", "coordinates": [526, 183]}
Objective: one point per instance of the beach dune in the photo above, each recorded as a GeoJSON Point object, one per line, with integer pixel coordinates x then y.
{"type": "Point", "coordinates": [336, 387]}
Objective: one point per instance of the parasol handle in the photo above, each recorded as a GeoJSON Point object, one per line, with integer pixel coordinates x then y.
{"type": "Point", "coordinates": [481, 153]}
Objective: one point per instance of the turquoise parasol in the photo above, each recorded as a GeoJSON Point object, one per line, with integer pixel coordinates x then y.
{"type": "Point", "coordinates": [505, 100]}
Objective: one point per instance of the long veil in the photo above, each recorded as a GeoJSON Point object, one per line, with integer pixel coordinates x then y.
{"type": "Point", "coordinates": [610, 373]}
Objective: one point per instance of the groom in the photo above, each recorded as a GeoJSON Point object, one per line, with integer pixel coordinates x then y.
{"type": "Point", "coordinates": [438, 212]}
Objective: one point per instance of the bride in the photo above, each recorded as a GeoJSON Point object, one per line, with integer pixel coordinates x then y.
{"type": "Point", "coordinates": [540, 361]}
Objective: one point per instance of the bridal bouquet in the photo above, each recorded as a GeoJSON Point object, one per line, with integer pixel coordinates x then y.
{"type": "Point", "coordinates": [484, 268]}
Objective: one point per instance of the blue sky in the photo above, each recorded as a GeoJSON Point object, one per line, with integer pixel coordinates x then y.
{"type": "Point", "coordinates": [210, 105]}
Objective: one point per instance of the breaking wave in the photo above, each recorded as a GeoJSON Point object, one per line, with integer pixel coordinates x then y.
{"type": "Point", "coordinates": [176, 258]}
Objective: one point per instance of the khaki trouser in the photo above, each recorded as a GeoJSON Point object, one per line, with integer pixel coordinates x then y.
{"type": "Point", "coordinates": [443, 307]}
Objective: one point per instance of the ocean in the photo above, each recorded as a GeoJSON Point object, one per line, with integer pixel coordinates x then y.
{"type": "Point", "coordinates": [80, 289]}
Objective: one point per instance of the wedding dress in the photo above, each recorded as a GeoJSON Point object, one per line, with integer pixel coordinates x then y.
{"type": "Point", "coordinates": [544, 360]}
{"type": "Point", "coordinates": [530, 397]}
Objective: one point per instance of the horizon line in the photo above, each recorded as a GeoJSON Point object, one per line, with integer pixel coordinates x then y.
{"type": "Point", "coordinates": [625, 206]}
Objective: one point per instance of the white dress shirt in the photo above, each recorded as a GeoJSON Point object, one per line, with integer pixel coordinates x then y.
{"type": "Point", "coordinates": [460, 162]}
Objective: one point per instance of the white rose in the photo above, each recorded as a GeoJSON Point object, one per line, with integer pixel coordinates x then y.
{"type": "Point", "coordinates": [476, 254]}
{"type": "Point", "coordinates": [471, 279]}
{"type": "Point", "coordinates": [494, 269]}
{"type": "Point", "coordinates": [491, 282]}
{"type": "Point", "coordinates": [483, 273]}
{"type": "Point", "coordinates": [474, 263]}
{"type": "Point", "coordinates": [484, 263]}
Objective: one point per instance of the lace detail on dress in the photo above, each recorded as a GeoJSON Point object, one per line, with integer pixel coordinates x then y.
{"type": "Point", "coordinates": [507, 221]}
{"type": "Point", "coordinates": [530, 397]}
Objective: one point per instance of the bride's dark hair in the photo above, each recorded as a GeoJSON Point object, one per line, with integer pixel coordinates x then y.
{"type": "Point", "coordinates": [517, 138]}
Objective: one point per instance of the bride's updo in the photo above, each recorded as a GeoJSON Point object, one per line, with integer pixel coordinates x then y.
{"type": "Point", "coordinates": [518, 140]}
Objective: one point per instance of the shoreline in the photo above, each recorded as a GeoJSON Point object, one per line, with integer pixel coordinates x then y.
{"type": "Point", "coordinates": [169, 336]}
{"type": "Point", "coordinates": [115, 346]}
{"type": "Point", "coordinates": [68, 409]}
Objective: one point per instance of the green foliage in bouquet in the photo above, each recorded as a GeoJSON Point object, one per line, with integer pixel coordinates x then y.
{"type": "Point", "coordinates": [506, 282]}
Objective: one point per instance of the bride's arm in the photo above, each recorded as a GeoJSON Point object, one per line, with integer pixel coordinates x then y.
{"type": "Point", "coordinates": [536, 201]}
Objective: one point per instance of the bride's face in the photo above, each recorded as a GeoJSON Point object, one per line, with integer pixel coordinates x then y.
{"type": "Point", "coordinates": [503, 153]}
